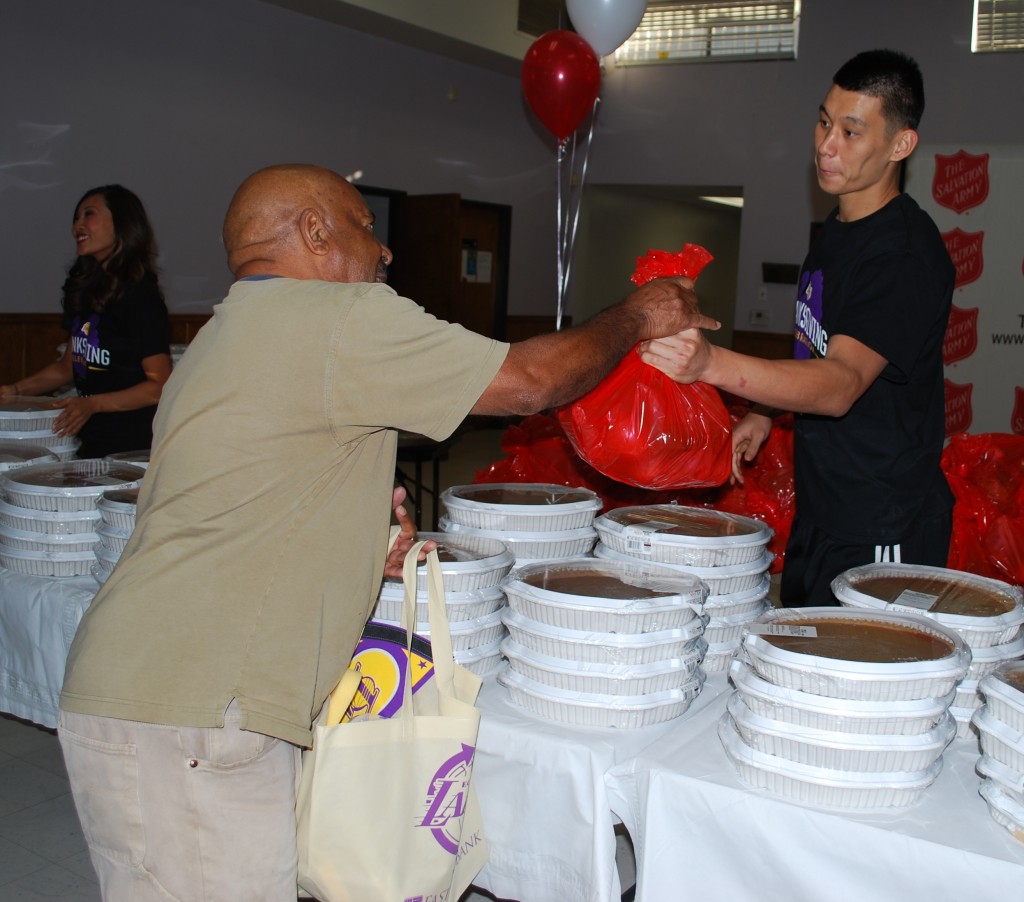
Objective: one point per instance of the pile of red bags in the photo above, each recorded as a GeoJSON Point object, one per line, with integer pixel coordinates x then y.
{"type": "Point", "coordinates": [641, 428]}
{"type": "Point", "coordinates": [538, 451]}
{"type": "Point", "coordinates": [985, 472]}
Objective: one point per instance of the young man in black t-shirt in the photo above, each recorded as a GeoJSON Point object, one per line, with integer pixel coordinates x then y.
{"type": "Point", "coordinates": [866, 381]}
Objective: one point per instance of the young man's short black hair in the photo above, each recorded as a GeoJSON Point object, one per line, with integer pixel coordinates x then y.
{"type": "Point", "coordinates": [893, 77]}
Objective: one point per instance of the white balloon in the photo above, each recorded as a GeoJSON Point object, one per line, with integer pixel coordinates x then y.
{"type": "Point", "coordinates": [605, 24]}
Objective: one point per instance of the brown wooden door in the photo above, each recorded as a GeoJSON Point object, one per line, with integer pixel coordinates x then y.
{"type": "Point", "coordinates": [451, 257]}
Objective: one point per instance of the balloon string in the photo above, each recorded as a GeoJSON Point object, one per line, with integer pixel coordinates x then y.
{"type": "Point", "coordinates": [560, 231]}
{"type": "Point", "coordinates": [575, 212]}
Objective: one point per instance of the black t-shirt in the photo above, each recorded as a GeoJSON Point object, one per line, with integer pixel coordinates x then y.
{"type": "Point", "coordinates": [887, 281]}
{"type": "Point", "coordinates": [107, 350]}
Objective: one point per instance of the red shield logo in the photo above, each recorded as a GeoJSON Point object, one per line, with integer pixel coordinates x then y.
{"type": "Point", "coordinates": [965, 252]}
{"type": "Point", "coordinates": [961, 180]}
{"type": "Point", "coordinates": [1017, 417]}
{"type": "Point", "coordinates": [961, 335]}
{"type": "Point", "coordinates": [958, 407]}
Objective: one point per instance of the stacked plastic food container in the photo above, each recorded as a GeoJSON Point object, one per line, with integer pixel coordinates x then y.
{"type": "Point", "coordinates": [135, 458]}
{"type": "Point", "coordinates": [49, 519]}
{"type": "Point", "coordinates": [537, 521]}
{"type": "Point", "coordinates": [987, 613]}
{"type": "Point", "coordinates": [603, 643]}
{"type": "Point", "coordinates": [117, 520]}
{"type": "Point", "coordinates": [29, 420]}
{"type": "Point", "coordinates": [1000, 725]}
{"type": "Point", "coordinates": [472, 568]}
{"type": "Point", "coordinates": [727, 551]}
{"type": "Point", "coordinates": [17, 454]}
{"type": "Point", "coordinates": [843, 709]}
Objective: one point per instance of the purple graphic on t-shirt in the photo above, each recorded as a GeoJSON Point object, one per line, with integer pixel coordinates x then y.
{"type": "Point", "coordinates": [86, 353]}
{"type": "Point", "coordinates": [811, 339]}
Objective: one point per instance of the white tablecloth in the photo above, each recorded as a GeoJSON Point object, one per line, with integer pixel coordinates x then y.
{"type": "Point", "coordinates": [545, 804]}
{"type": "Point", "coordinates": [551, 794]}
{"type": "Point", "coordinates": [38, 619]}
{"type": "Point", "coordinates": [698, 833]}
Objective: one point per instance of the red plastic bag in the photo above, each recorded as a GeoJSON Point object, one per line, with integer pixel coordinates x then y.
{"type": "Point", "coordinates": [638, 426]}
{"type": "Point", "coordinates": [986, 474]}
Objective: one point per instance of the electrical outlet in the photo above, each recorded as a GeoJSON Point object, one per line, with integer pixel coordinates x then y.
{"type": "Point", "coordinates": [760, 317]}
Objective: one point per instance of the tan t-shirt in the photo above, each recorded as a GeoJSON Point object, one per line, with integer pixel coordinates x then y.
{"type": "Point", "coordinates": [263, 518]}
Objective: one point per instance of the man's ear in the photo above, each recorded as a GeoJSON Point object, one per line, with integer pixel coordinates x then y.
{"type": "Point", "coordinates": [314, 234]}
{"type": "Point", "coordinates": [903, 145]}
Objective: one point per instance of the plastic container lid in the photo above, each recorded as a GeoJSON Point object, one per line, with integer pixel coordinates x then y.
{"type": "Point", "coordinates": [842, 715]}
{"type": "Point", "coordinates": [480, 654]}
{"type": "Point", "coordinates": [611, 648]}
{"type": "Point", "coordinates": [720, 655]}
{"type": "Point", "coordinates": [586, 709]}
{"type": "Point", "coordinates": [999, 740]}
{"type": "Point", "coordinates": [721, 580]}
{"type": "Point", "coordinates": [841, 751]}
{"type": "Point", "coordinates": [22, 454]}
{"type": "Point", "coordinates": [32, 520]}
{"type": "Point", "coordinates": [967, 695]}
{"type": "Point", "coordinates": [605, 596]}
{"type": "Point", "coordinates": [465, 634]}
{"type": "Point", "coordinates": [610, 679]}
{"type": "Point", "coordinates": [458, 605]}
{"type": "Point", "coordinates": [1003, 690]}
{"type": "Point", "coordinates": [824, 787]}
{"type": "Point", "coordinates": [1010, 781]}
{"type": "Point", "coordinates": [984, 611]}
{"type": "Point", "coordinates": [1004, 810]}
{"type": "Point", "coordinates": [44, 541]}
{"type": "Point", "coordinates": [532, 545]}
{"type": "Point", "coordinates": [468, 562]}
{"type": "Point", "coordinates": [697, 536]}
{"type": "Point", "coordinates": [138, 458]}
{"type": "Point", "coordinates": [988, 658]}
{"type": "Point", "coordinates": [75, 485]}
{"type": "Point", "coordinates": [749, 601]}
{"type": "Point", "coordinates": [24, 413]}
{"type": "Point", "coordinates": [47, 563]}
{"type": "Point", "coordinates": [521, 506]}
{"type": "Point", "coordinates": [45, 437]}
{"type": "Point", "coordinates": [855, 653]}
{"type": "Point", "coordinates": [729, 628]}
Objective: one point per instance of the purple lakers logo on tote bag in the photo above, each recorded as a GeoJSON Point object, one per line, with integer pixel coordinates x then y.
{"type": "Point", "coordinates": [446, 799]}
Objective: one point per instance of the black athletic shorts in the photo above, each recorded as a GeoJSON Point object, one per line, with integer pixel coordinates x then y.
{"type": "Point", "coordinates": [813, 558]}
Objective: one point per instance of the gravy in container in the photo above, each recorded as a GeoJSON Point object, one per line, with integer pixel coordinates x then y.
{"type": "Point", "coordinates": [1014, 679]}
{"type": "Point", "coordinates": [685, 521]}
{"type": "Point", "coordinates": [489, 495]}
{"type": "Point", "coordinates": [863, 640]}
{"type": "Point", "coordinates": [952, 596]}
{"type": "Point", "coordinates": [592, 583]}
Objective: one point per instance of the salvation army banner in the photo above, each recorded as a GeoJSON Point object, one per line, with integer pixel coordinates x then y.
{"type": "Point", "coordinates": [975, 195]}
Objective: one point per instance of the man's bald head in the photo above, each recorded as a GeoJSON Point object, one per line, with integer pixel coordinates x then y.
{"type": "Point", "coordinates": [301, 222]}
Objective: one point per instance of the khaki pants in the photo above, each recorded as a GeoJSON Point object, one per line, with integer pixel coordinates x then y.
{"type": "Point", "coordinates": [184, 813]}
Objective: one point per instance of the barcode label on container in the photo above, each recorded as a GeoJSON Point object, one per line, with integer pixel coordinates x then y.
{"type": "Point", "coordinates": [911, 600]}
{"type": "Point", "coordinates": [784, 629]}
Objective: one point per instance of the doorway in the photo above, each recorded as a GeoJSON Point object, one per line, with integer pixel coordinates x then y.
{"type": "Point", "coordinates": [619, 223]}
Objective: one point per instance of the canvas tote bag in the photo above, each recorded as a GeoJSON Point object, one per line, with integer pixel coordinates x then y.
{"type": "Point", "coordinates": [386, 810]}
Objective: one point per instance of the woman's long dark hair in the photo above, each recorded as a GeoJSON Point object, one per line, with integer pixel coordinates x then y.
{"type": "Point", "coordinates": [89, 286]}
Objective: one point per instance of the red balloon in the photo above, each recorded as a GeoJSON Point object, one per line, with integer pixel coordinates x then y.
{"type": "Point", "coordinates": [561, 76]}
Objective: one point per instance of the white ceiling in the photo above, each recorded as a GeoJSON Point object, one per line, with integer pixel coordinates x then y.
{"type": "Point", "coordinates": [480, 32]}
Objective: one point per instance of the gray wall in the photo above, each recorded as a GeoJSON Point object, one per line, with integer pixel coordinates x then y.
{"type": "Point", "coordinates": [180, 100]}
{"type": "Point", "coordinates": [751, 124]}
{"type": "Point", "coordinates": [618, 225]}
